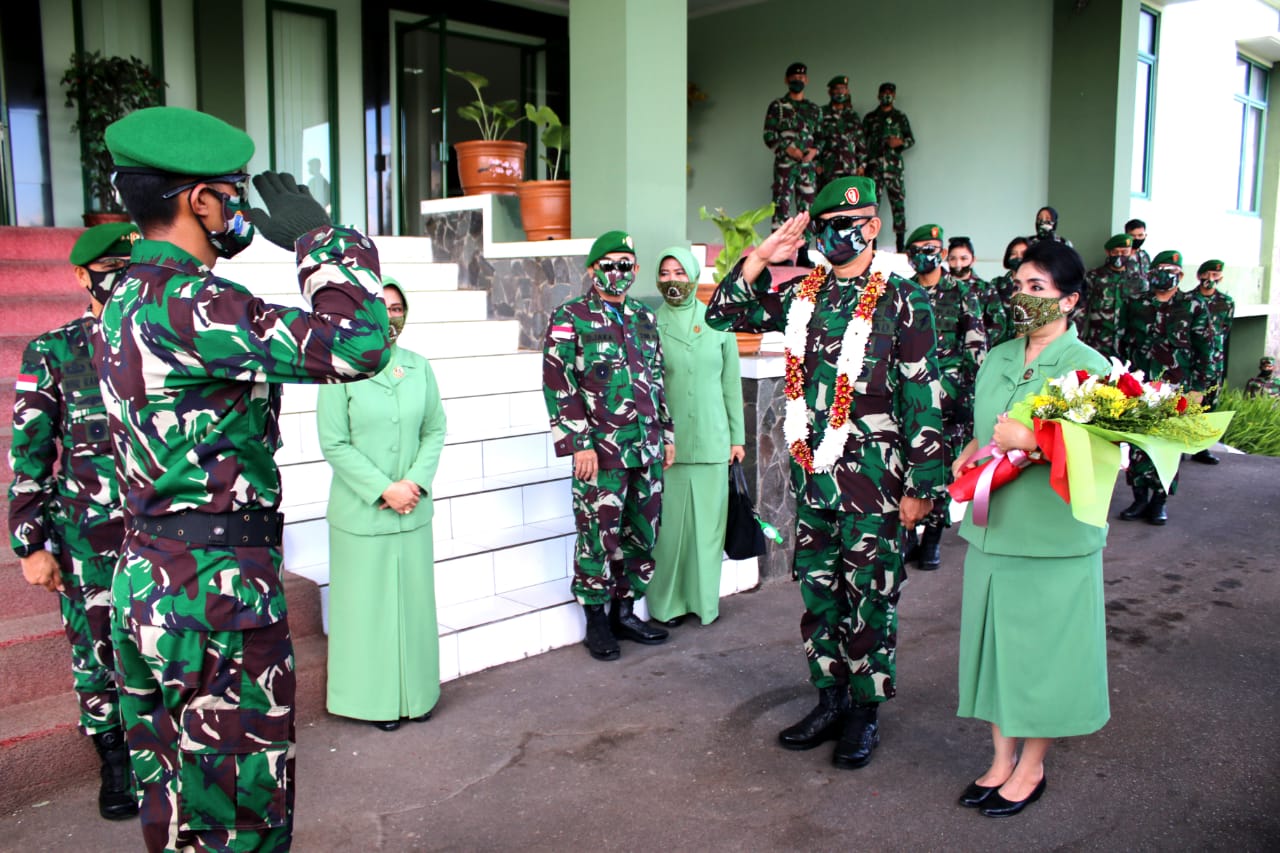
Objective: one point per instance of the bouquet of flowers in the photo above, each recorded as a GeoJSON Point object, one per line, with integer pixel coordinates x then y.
{"type": "Point", "coordinates": [1079, 420]}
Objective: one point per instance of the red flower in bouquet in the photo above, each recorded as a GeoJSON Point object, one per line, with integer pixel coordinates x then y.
{"type": "Point", "coordinates": [1181, 405]}
{"type": "Point", "coordinates": [1129, 385]}
{"type": "Point", "coordinates": [1082, 375]}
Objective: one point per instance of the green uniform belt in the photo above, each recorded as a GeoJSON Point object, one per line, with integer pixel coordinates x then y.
{"type": "Point", "coordinates": [246, 528]}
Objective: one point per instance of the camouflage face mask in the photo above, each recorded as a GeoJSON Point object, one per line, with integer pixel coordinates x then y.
{"type": "Point", "coordinates": [1116, 262]}
{"type": "Point", "coordinates": [614, 282]}
{"type": "Point", "coordinates": [840, 247]}
{"type": "Point", "coordinates": [395, 326]}
{"type": "Point", "coordinates": [237, 231]}
{"type": "Point", "coordinates": [1163, 280]}
{"type": "Point", "coordinates": [1045, 228]}
{"type": "Point", "coordinates": [102, 283]}
{"type": "Point", "coordinates": [925, 261]}
{"type": "Point", "coordinates": [886, 99]}
{"type": "Point", "coordinates": [1030, 313]}
{"type": "Point", "coordinates": [676, 292]}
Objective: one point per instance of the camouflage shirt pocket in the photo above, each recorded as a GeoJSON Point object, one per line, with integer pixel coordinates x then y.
{"type": "Point", "coordinates": [875, 366]}
{"type": "Point", "coordinates": [89, 427]}
{"type": "Point", "coordinates": [232, 762]}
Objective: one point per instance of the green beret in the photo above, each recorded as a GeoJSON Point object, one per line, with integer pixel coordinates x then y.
{"type": "Point", "coordinates": [114, 239]}
{"type": "Point", "coordinates": [685, 258]}
{"type": "Point", "coordinates": [925, 232]}
{"type": "Point", "coordinates": [1210, 266]}
{"type": "Point", "coordinates": [1266, 360]}
{"type": "Point", "coordinates": [1168, 256]}
{"type": "Point", "coordinates": [610, 241]}
{"type": "Point", "coordinates": [844, 194]}
{"type": "Point", "coordinates": [178, 141]}
{"type": "Point", "coordinates": [1119, 241]}
{"type": "Point", "coordinates": [838, 80]}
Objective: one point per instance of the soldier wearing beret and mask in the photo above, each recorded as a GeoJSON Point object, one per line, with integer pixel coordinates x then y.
{"type": "Point", "coordinates": [1222, 310]}
{"type": "Point", "coordinates": [1110, 287]}
{"type": "Point", "coordinates": [888, 135]}
{"type": "Point", "coordinates": [1265, 383]}
{"type": "Point", "coordinates": [842, 149]}
{"type": "Point", "coordinates": [791, 132]}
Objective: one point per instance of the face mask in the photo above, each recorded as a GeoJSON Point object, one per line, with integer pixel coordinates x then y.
{"type": "Point", "coordinates": [925, 262]}
{"type": "Point", "coordinates": [395, 325]}
{"type": "Point", "coordinates": [1044, 229]}
{"type": "Point", "coordinates": [1208, 284]}
{"type": "Point", "coordinates": [959, 271]}
{"type": "Point", "coordinates": [676, 292]}
{"type": "Point", "coordinates": [237, 231]}
{"type": "Point", "coordinates": [1163, 280]}
{"type": "Point", "coordinates": [1011, 263]}
{"type": "Point", "coordinates": [1116, 262]}
{"type": "Point", "coordinates": [614, 282]}
{"type": "Point", "coordinates": [795, 86]}
{"type": "Point", "coordinates": [1266, 371]}
{"type": "Point", "coordinates": [102, 283]}
{"type": "Point", "coordinates": [1137, 242]}
{"type": "Point", "coordinates": [840, 247]}
{"type": "Point", "coordinates": [840, 99]}
{"type": "Point", "coordinates": [1033, 312]}
{"type": "Point", "coordinates": [886, 99]}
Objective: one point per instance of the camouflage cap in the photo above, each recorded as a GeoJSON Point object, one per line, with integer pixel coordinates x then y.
{"type": "Point", "coordinates": [178, 141]}
{"type": "Point", "coordinates": [1210, 266]}
{"type": "Point", "coordinates": [114, 238]}
{"type": "Point", "coordinates": [838, 80]}
{"type": "Point", "coordinates": [925, 232]}
{"type": "Point", "coordinates": [797, 68]}
{"type": "Point", "coordinates": [1119, 241]}
{"type": "Point", "coordinates": [1169, 256]}
{"type": "Point", "coordinates": [610, 241]}
{"type": "Point", "coordinates": [844, 194]}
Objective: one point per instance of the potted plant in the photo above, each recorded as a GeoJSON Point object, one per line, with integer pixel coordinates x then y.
{"type": "Point", "coordinates": [103, 89]}
{"type": "Point", "coordinates": [544, 205]}
{"type": "Point", "coordinates": [492, 163]}
{"type": "Point", "coordinates": [739, 236]}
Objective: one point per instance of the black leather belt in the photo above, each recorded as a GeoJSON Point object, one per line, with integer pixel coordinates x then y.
{"type": "Point", "coordinates": [246, 528]}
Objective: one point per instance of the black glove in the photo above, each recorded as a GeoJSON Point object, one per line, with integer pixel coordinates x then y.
{"type": "Point", "coordinates": [293, 211]}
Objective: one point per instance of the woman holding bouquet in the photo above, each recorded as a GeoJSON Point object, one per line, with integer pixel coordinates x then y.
{"type": "Point", "coordinates": [1033, 657]}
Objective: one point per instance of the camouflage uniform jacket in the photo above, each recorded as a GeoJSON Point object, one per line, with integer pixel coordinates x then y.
{"type": "Point", "coordinates": [58, 400]}
{"type": "Point", "coordinates": [790, 122]}
{"type": "Point", "coordinates": [877, 126]}
{"type": "Point", "coordinates": [1222, 310]}
{"type": "Point", "coordinates": [842, 149]}
{"type": "Point", "coordinates": [962, 336]}
{"type": "Point", "coordinates": [1107, 291]}
{"type": "Point", "coordinates": [602, 382]}
{"type": "Point", "coordinates": [896, 447]}
{"type": "Point", "coordinates": [1262, 386]}
{"type": "Point", "coordinates": [189, 373]}
{"type": "Point", "coordinates": [1166, 340]}
{"type": "Point", "coordinates": [1143, 263]}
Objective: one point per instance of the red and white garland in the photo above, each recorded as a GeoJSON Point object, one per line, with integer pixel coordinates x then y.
{"type": "Point", "coordinates": [853, 350]}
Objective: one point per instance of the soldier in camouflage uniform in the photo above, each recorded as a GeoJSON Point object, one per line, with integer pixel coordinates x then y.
{"type": "Point", "coordinates": [1222, 310]}
{"type": "Point", "coordinates": [1108, 288]}
{"type": "Point", "coordinates": [1047, 227]}
{"type": "Point", "coordinates": [77, 508]}
{"type": "Point", "coordinates": [602, 382]}
{"type": "Point", "coordinates": [1265, 384]}
{"type": "Point", "coordinates": [842, 149]}
{"type": "Point", "coordinates": [961, 346]}
{"type": "Point", "coordinates": [1137, 229]}
{"type": "Point", "coordinates": [190, 373]}
{"type": "Point", "coordinates": [888, 135]}
{"type": "Point", "coordinates": [960, 259]}
{"type": "Point", "coordinates": [1165, 334]}
{"type": "Point", "coordinates": [887, 463]}
{"type": "Point", "coordinates": [791, 133]}
{"type": "Point", "coordinates": [995, 309]}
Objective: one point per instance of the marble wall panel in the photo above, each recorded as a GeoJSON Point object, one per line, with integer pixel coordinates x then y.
{"type": "Point", "coordinates": [768, 467]}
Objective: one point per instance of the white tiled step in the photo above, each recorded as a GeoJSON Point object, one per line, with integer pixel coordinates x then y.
{"type": "Point", "coordinates": [278, 281]}
{"type": "Point", "coordinates": [484, 375]}
{"type": "Point", "coordinates": [418, 277]}
{"type": "Point", "coordinates": [492, 415]}
{"type": "Point", "coordinates": [428, 306]}
{"type": "Point", "coordinates": [439, 341]}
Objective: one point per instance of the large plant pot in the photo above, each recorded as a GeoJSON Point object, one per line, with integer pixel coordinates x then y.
{"type": "Point", "coordinates": [490, 166]}
{"type": "Point", "coordinates": [544, 209]}
{"type": "Point", "coordinates": [102, 218]}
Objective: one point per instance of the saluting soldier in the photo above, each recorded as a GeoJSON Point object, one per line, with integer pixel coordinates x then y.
{"type": "Point", "coordinates": [960, 348]}
{"type": "Point", "coordinates": [1265, 384]}
{"type": "Point", "coordinates": [1222, 310]}
{"type": "Point", "coordinates": [791, 133]}
{"type": "Point", "coordinates": [1109, 287]}
{"type": "Point", "coordinates": [888, 135]}
{"type": "Point", "coordinates": [190, 369]}
{"type": "Point", "coordinates": [864, 429]}
{"type": "Point", "coordinates": [602, 383]}
{"type": "Point", "coordinates": [842, 150]}
{"type": "Point", "coordinates": [76, 508]}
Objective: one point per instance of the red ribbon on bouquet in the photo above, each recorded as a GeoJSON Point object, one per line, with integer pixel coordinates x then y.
{"type": "Point", "coordinates": [1049, 439]}
{"type": "Point", "coordinates": [977, 484]}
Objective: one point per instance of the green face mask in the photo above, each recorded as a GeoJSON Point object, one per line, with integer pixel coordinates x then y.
{"type": "Point", "coordinates": [395, 324]}
{"type": "Point", "coordinates": [675, 292]}
{"type": "Point", "coordinates": [840, 99]}
{"type": "Point", "coordinates": [1163, 280]}
{"type": "Point", "coordinates": [1030, 313]}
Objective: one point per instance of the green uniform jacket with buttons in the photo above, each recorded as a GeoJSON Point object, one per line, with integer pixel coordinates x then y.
{"type": "Point", "coordinates": [703, 383]}
{"type": "Point", "coordinates": [379, 431]}
{"type": "Point", "coordinates": [1027, 518]}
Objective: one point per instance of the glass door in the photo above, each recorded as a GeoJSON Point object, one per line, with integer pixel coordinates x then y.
{"type": "Point", "coordinates": [422, 119]}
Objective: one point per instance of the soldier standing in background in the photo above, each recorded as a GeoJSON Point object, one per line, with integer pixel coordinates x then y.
{"type": "Point", "coordinates": [961, 346]}
{"type": "Point", "coordinates": [1137, 229]}
{"type": "Point", "coordinates": [1109, 287]}
{"type": "Point", "coordinates": [995, 312]}
{"type": "Point", "coordinates": [791, 133]}
{"type": "Point", "coordinates": [58, 401]}
{"type": "Point", "coordinates": [841, 146]}
{"type": "Point", "coordinates": [1265, 383]}
{"type": "Point", "coordinates": [960, 258]}
{"type": "Point", "coordinates": [602, 382]}
{"type": "Point", "coordinates": [190, 367]}
{"type": "Point", "coordinates": [1222, 310]}
{"type": "Point", "coordinates": [888, 135]}
{"type": "Point", "coordinates": [1047, 227]}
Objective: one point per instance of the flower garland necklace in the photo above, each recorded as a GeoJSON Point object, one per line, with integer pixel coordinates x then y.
{"type": "Point", "coordinates": [853, 350]}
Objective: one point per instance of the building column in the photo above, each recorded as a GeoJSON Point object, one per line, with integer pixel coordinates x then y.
{"type": "Point", "coordinates": [628, 89]}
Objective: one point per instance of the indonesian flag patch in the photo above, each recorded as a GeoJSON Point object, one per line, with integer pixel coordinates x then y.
{"type": "Point", "coordinates": [561, 333]}
{"type": "Point", "coordinates": [26, 382]}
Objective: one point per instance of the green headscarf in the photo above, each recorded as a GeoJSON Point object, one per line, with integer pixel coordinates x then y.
{"type": "Point", "coordinates": [692, 269]}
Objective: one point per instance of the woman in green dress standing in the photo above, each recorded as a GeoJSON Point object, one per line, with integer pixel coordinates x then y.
{"type": "Point", "coordinates": [1033, 645]}
{"type": "Point", "coordinates": [704, 393]}
{"type": "Point", "coordinates": [383, 439]}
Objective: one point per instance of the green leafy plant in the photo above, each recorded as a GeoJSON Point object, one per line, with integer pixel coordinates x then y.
{"type": "Point", "coordinates": [104, 89]}
{"type": "Point", "coordinates": [494, 120]}
{"type": "Point", "coordinates": [1256, 425]}
{"type": "Point", "coordinates": [554, 135]}
{"type": "Point", "coordinates": [738, 233]}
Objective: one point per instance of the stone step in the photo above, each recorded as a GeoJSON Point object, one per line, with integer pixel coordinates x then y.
{"type": "Point", "coordinates": [38, 277]}
{"type": "Point", "coordinates": [275, 280]}
{"type": "Point", "coordinates": [439, 341]}
{"type": "Point", "coordinates": [35, 315]}
{"type": "Point", "coordinates": [37, 244]}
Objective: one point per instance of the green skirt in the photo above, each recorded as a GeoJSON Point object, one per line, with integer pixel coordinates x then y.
{"type": "Point", "coordinates": [1033, 644]}
{"type": "Point", "coordinates": [690, 547]}
{"type": "Point", "coordinates": [384, 643]}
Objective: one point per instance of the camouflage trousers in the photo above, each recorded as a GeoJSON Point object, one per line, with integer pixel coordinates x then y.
{"type": "Point", "coordinates": [209, 719]}
{"type": "Point", "coordinates": [616, 513]}
{"type": "Point", "coordinates": [1142, 475]}
{"type": "Point", "coordinates": [891, 184]}
{"type": "Point", "coordinates": [851, 576]}
{"type": "Point", "coordinates": [793, 187]}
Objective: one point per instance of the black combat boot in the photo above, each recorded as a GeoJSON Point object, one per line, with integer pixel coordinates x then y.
{"type": "Point", "coordinates": [910, 546]}
{"type": "Point", "coordinates": [627, 625]}
{"type": "Point", "coordinates": [823, 723]}
{"type": "Point", "coordinates": [600, 640]}
{"type": "Point", "coordinates": [931, 548]}
{"type": "Point", "coordinates": [1135, 510]}
{"type": "Point", "coordinates": [1204, 457]}
{"type": "Point", "coordinates": [861, 734]}
{"type": "Point", "coordinates": [116, 800]}
{"type": "Point", "coordinates": [1155, 510]}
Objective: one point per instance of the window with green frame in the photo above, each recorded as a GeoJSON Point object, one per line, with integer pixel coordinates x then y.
{"type": "Point", "coordinates": [1251, 96]}
{"type": "Point", "coordinates": [1144, 112]}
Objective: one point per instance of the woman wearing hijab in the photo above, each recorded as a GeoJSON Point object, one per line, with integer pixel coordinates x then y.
{"type": "Point", "coordinates": [383, 438]}
{"type": "Point", "coordinates": [704, 394]}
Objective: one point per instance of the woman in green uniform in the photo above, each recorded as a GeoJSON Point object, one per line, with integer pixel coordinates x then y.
{"type": "Point", "coordinates": [383, 438]}
{"type": "Point", "coordinates": [704, 394]}
{"type": "Point", "coordinates": [1033, 645]}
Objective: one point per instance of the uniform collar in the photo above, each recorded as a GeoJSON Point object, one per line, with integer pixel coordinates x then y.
{"type": "Point", "coordinates": [162, 253]}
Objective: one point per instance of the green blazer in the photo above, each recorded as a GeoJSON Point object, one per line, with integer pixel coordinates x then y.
{"type": "Point", "coordinates": [374, 432]}
{"type": "Point", "coordinates": [1027, 517]}
{"type": "Point", "coordinates": [703, 384]}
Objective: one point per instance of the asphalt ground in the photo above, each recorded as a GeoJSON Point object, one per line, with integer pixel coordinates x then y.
{"type": "Point", "coordinates": [672, 747]}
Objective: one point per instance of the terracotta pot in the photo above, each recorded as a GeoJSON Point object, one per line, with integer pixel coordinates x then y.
{"type": "Point", "coordinates": [101, 218]}
{"type": "Point", "coordinates": [544, 209]}
{"type": "Point", "coordinates": [748, 342]}
{"type": "Point", "coordinates": [490, 166]}
{"type": "Point", "coordinates": [704, 291]}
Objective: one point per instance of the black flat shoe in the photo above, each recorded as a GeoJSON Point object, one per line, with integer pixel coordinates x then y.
{"type": "Point", "coordinates": [998, 806]}
{"type": "Point", "coordinates": [975, 795]}
{"type": "Point", "coordinates": [385, 725]}
{"type": "Point", "coordinates": [421, 718]}
{"type": "Point", "coordinates": [674, 622]}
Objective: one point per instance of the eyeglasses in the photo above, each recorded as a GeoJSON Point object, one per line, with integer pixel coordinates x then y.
{"type": "Point", "coordinates": [395, 310]}
{"type": "Point", "coordinates": [926, 250]}
{"type": "Point", "coordinates": [622, 266]}
{"type": "Point", "coordinates": [837, 223]}
{"type": "Point", "coordinates": [239, 181]}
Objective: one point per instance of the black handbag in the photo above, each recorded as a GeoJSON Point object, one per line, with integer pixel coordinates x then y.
{"type": "Point", "coordinates": [743, 537]}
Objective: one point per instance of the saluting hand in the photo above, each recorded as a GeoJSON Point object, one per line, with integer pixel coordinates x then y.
{"type": "Point", "coordinates": [783, 243]}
